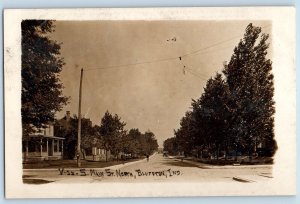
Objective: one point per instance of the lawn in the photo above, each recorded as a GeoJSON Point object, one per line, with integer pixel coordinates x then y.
{"type": "Point", "coordinates": [71, 164]}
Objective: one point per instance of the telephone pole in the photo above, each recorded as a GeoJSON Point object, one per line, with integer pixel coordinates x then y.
{"type": "Point", "coordinates": [79, 121]}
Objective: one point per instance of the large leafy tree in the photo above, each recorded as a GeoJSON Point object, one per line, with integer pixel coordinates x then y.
{"type": "Point", "coordinates": [130, 142]}
{"type": "Point", "coordinates": [138, 144]}
{"type": "Point", "coordinates": [151, 142]}
{"type": "Point", "coordinates": [170, 146]}
{"type": "Point", "coordinates": [89, 136]}
{"type": "Point", "coordinates": [185, 136]}
{"type": "Point", "coordinates": [41, 64]}
{"type": "Point", "coordinates": [213, 115]}
{"type": "Point", "coordinates": [251, 86]}
{"type": "Point", "coordinates": [112, 130]}
{"type": "Point", "coordinates": [235, 112]}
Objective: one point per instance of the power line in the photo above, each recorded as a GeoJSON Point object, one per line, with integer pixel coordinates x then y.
{"type": "Point", "coordinates": [139, 63]}
{"type": "Point", "coordinates": [213, 45]}
{"type": "Point", "coordinates": [170, 58]}
{"type": "Point", "coordinates": [195, 74]}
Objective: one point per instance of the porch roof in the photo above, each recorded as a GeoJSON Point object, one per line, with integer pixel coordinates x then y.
{"type": "Point", "coordinates": [46, 136]}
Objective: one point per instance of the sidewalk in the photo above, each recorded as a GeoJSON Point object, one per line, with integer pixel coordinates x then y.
{"type": "Point", "coordinates": [242, 173]}
{"type": "Point", "coordinates": [129, 163]}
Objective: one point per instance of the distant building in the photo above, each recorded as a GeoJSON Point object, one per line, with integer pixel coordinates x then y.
{"type": "Point", "coordinates": [42, 145]}
{"type": "Point", "coordinates": [64, 122]}
{"type": "Point", "coordinates": [98, 154]}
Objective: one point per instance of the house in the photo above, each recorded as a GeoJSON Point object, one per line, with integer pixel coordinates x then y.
{"type": "Point", "coordinates": [98, 154]}
{"type": "Point", "coordinates": [42, 145]}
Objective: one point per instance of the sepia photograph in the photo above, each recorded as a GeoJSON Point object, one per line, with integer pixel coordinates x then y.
{"type": "Point", "coordinates": [171, 101]}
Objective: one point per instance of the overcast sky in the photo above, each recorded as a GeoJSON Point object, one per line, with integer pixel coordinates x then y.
{"type": "Point", "coordinates": [152, 96]}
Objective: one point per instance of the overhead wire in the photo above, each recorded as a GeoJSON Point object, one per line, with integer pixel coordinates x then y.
{"type": "Point", "coordinates": [195, 74]}
{"type": "Point", "coordinates": [132, 64]}
{"type": "Point", "coordinates": [213, 45]}
{"type": "Point", "coordinates": [195, 52]}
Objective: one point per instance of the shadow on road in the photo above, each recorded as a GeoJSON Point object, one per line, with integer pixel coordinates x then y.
{"type": "Point", "coordinates": [36, 181]}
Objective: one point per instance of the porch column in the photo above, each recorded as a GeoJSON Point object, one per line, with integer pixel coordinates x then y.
{"type": "Point", "coordinates": [41, 146]}
{"type": "Point", "coordinates": [57, 146]}
{"type": "Point", "coordinates": [52, 147]}
{"type": "Point", "coordinates": [62, 149]}
{"type": "Point", "coordinates": [47, 148]}
{"type": "Point", "coordinates": [26, 153]}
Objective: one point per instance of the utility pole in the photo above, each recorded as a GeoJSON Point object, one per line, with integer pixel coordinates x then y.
{"type": "Point", "coordinates": [79, 122]}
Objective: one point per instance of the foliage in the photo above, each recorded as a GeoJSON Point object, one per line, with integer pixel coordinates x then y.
{"type": "Point", "coordinates": [170, 146]}
{"type": "Point", "coordinates": [131, 142]}
{"type": "Point", "coordinates": [41, 65]}
{"type": "Point", "coordinates": [110, 135]}
{"type": "Point", "coordinates": [251, 86]}
{"type": "Point", "coordinates": [111, 131]}
{"type": "Point", "coordinates": [150, 145]}
{"type": "Point", "coordinates": [89, 136]}
{"type": "Point", "coordinates": [235, 112]}
{"type": "Point", "coordinates": [138, 144]}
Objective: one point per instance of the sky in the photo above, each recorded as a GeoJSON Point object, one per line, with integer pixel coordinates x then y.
{"type": "Point", "coordinates": [133, 68]}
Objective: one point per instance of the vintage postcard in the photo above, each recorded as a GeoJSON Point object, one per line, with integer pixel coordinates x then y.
{"type": "Point", "coordinates": [150, 102]}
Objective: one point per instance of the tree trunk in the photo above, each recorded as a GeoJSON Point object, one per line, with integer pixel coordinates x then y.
{"type": "Point", "coordinates": [235, 153]}
{"type": "Point", "coordinates": [83, 153]}
{"type": "Point", "coordinates": [226, 150]}
{"type": "Point", "coordinates": [250, 151]}
{"type": "Point", "coordinates": [250, 155]}
{"type": "Point", "coordinates": [106, 155]}
{"type": "Point", "coordinates": [218, 150]}
{"type": "Point", "coordinates": [201, 154]}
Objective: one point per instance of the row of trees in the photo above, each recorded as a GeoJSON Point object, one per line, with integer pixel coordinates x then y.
{"type": "Point", "coordinates": [234, 115]}
{"type": "Point", "coordinates": [42, 97]}
{"type": "Point", "coordinates": [109, 135]}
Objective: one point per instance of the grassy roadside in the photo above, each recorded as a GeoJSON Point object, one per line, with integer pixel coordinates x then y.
{"type": "Point", "coordinates": [240, 161]}
{"type": "Point", "coordinates": [72, 164]}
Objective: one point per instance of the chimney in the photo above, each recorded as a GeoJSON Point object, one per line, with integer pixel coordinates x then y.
{"type": "Point", "coordinates": [68, 115]}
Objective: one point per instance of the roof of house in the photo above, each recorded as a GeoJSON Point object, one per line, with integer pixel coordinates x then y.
{"type": "Point", "coordinates": [47, 136]}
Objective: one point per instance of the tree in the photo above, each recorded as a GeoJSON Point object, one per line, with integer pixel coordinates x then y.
{"type": "Point", "coordinates": [213, 110]}
{"type": "Point", "coordinates": [251, 87]}
{"type": "Point", "coordinates": [89, 136]}
{"type": "Point", "coordinates": [185, 135]}
{"type": "Point", "coordinates": [131, 143]}
{"type": "Point", "coordinates": [111, 130]}
{"type": "Point", "coordinates": [138, 144]}
{"type": "Point", "coordinates": [69, 132]}
{"type": "Point", "coordinates": [151, 142]}
{"type": "Point", "coordinates": [41, 88]}
{"type": "Point", "coordinates": [235, 112]}
{"type": "Point", "coordinates": [170, 145]}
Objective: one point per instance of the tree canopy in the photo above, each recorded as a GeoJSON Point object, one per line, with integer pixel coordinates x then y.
{"type": "Point", "coordinates": [112, 129]}
{"type": "Point", "coordinates": [236, 110]}
{"type": "Point", "coordinates": [41, 64]}
{"type": "Point", "coordinates": [110, 135]}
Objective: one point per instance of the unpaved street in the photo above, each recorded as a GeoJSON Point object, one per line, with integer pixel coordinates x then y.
{"type": "Point", "coordinates": [157, 169]}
